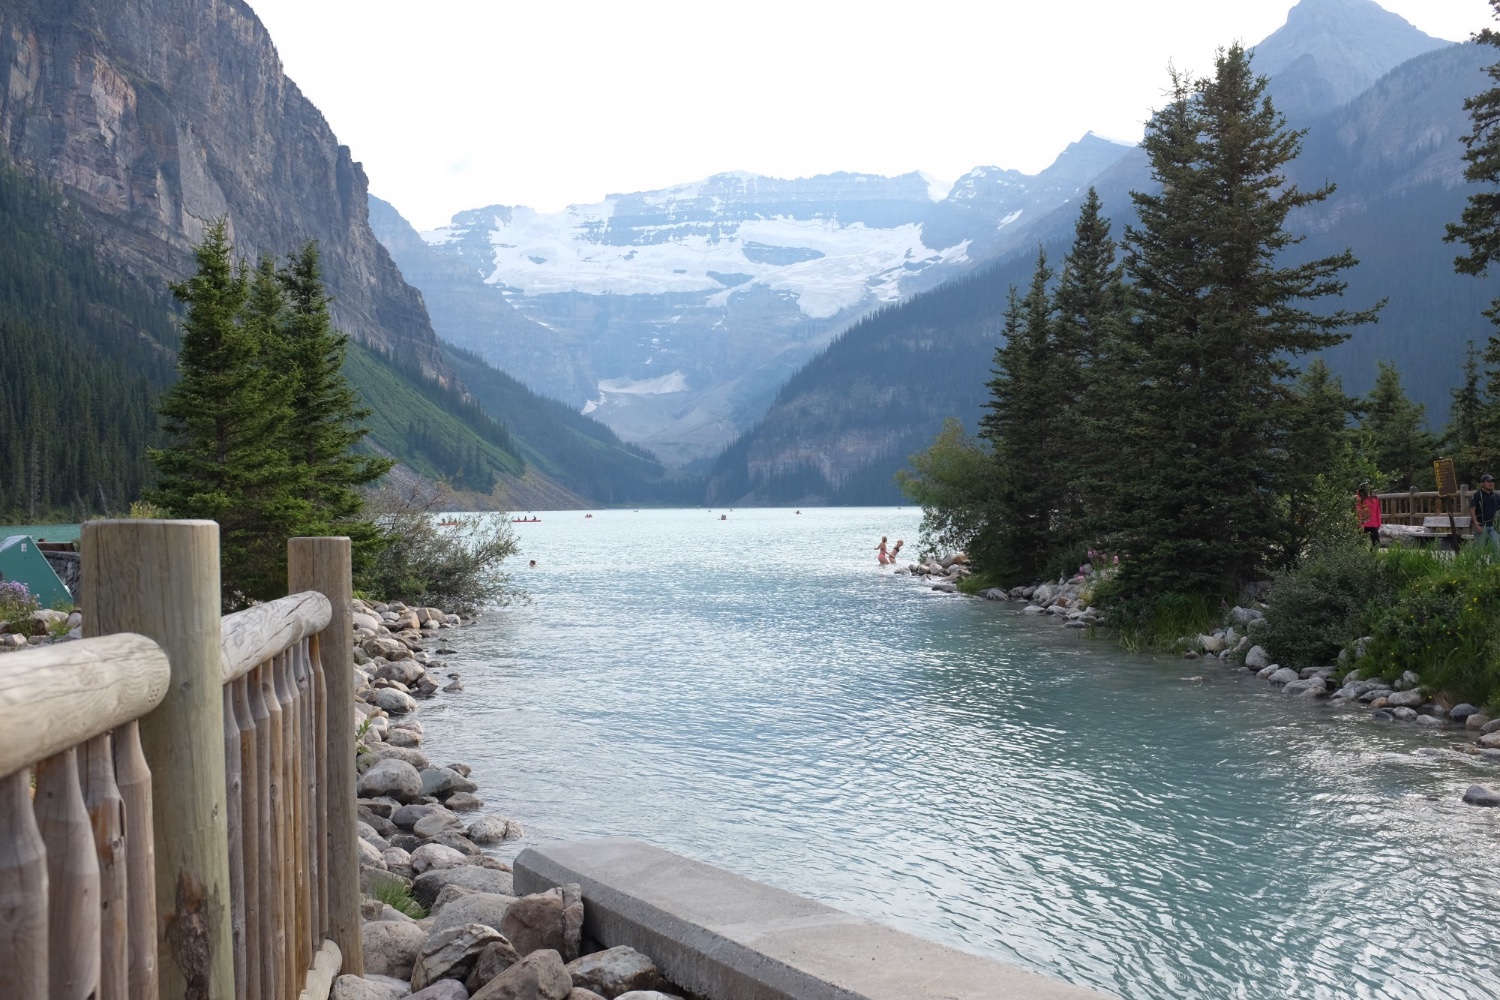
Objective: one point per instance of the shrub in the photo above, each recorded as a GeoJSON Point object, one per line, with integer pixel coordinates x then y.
{"type": "Point", "coordinates": [16, 602]}
{"type": "Point", "coordinates": [454, 565]}
{"type": "Point", "coordinates": [1445, 625]}
{"type": "Point", "coordinates": [1157, 621]}
{"type": "Point", "coordinates": [1319, 608]}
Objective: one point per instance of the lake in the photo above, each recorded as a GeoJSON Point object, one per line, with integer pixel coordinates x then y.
{"type": "Point", "coordinates": [758, 694]}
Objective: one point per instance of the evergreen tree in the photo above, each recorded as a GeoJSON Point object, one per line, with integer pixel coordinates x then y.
{"type": "Point", "coordinates": [227, 416]}
{"type": "Point", "coordinates": [327, 420]}
{"type": "Point", "coordinates": [1321, 471]}
{"type": "Point", "coordinates": [1217, 322]}
{"type": "Point", "coordinates": [1462, 435]}
{"type": "Point", "coordinates": [1392, 433]}
{"type": "Point", "coordinates": [1090, 305]}
{"type": "Point", "coordinates": [1021, 424]}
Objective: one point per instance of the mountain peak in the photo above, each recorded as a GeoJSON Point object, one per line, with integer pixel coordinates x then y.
{"type": "Point", "coordinates": [1330, 51]}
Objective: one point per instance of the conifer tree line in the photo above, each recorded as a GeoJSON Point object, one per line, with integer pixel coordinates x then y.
{"type": "Point", "coordinates": [1150, 402]}
{"type": "Point", "coordinates": [263, 425]}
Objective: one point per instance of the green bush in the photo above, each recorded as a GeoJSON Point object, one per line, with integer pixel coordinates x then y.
{"type": "Point", "coordinates": [1158, 621]}
{"type": "Point", "coordinates": [1319, 608]}
{"type": "Point", "coordinates": [1445, 625]}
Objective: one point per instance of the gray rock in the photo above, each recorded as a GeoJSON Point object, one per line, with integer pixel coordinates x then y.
{"type": "Point", "coordinates": [487, 908]}
{"type": "Point", "coordinates": [416, 758]}
{"type": "Point", "coordinates": [1310, 687]}
{"type": "Point", "coordinates": [1408, 680]}
{"type": "Point", "coordinates": [1244, 616]}
{"type": "Point", "coordinates": [1476, 722]}
{"type": "Point", "coordinates": [1384, 716]}
{"type": "Point", "coordinates": [1283, 676]}
{"type": "Point", "coordinates": [450, 953]}
{"type": "Point", "coordinates": [1429, 721]}
{"type": "Point", "coordinates": [1373, 693]}
{"type": "Point", "coordinates": [538, 976]}
{"type": "Point", "coordinates": [1257, 658]}
{"type": "Point", "coordinates": [1490, 727]}
{"type": "Point", "coordinates": [436, 824]}
{"type": "Point", "coordinates": [647, 995]}
{"type": "Point", "coordinates": [536, 922]}
{"type": "Point", "coordinates": [406, 672]}
{"type": "Point", "coordinates": [426, 887]}
{"type": "Point", "coordinates": [436, 857]}
{"type": "Point", "coordinates": [489, 830]}
{"type": "Point", "coordinates": [461, 844]}
{"type": "Point", "coordinates": [368, 987]}
{"type": "Point", "coordinates": [1403, 714]}
{"type": "Point", "coordinates": [441, 781]}
{"type": "Point", "coordinates": [1032, 609]}
{"type": "Point", "coordinates": [614, 971]}
{"type": "Point", "coordinates": [579, 993]}
{"type": "Point", "coordinates": [391, 947]}
{"type": "Point", "coordinates": [403, 738]}
{"type": "Point", "coordinates": [1211, 643]}
{"type": "Point", "coordinates": [443, 989]}
{"type": "Point", "coordinates": [395, 778]}
{"type": "Point", "coordinates": [1460, 713]}
{"type": "Point", "coordinates": [1490, 741]}
{"type": "Point", "coordinates": [395, 857]}
{"type": "Point", "coordinates": [1479, 795]}
{"type": "Point", "coordinates": [495, 959]}
{"type": "Point", "coordinates": [393, 701]}
{"type": "Point", "coordinates": [463, 802]}
{"type": "Point", "coordinates": [1264, 673]}
{"type": "Point", "coordinates": [406, 817]}
{"type": "Point", "coordinates": [369, 854]}
{"type": "Point", "coordinates": [1406, 699]}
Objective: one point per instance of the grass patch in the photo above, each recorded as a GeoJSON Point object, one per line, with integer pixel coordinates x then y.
{"type": "Point", "coordinates": [1155, 624]}
{"type": "Point", "coordinates": [399, 898]}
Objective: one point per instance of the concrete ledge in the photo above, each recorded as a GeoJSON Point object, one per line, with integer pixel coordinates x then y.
{"type": "Point", "coordinates": [728, 938]}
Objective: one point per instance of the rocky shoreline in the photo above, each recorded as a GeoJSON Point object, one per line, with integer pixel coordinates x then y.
{"type": "Point", "coordinates": [1233, 644]}
{"type": "Point", "coordinates": [441, 918]}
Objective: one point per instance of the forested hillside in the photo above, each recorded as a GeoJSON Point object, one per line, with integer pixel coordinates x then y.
{"type": "Point", "coordinates": [83, 353]}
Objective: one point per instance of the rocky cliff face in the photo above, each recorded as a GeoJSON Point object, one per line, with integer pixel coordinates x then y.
{"type": "Point", "coordinates": [158, 116]}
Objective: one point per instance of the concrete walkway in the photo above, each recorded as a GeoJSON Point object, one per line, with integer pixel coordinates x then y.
{"type": "Point", "coordinates": [728, 938]}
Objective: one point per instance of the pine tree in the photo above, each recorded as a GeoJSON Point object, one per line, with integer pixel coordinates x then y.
{"type": "Point", "coordinates": [1320, 473]}
{"type": "Point", "coordinates": [1217, 322]}
{"type": "Point", "coordinates": [1392, 431]}
{"type": "Point", "coordinates": [1479, 225]}
{"type": "Point", "coordinates": [1462, 437]}
{"type": "Point", "coordinates": [327, 420]}
{"type": "Point", "coordinates": [1090, 304]}
{"type": "Point", "coordinates": [1020, 423]}
{"type": "Point", "coordinates": [227, 417]}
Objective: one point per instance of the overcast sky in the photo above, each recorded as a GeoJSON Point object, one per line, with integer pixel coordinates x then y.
{"type": "Point", "coordinates": [457, 104]}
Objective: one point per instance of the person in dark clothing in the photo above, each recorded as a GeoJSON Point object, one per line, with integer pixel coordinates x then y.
{"type": "Point", "coordinates": [1484, 505]}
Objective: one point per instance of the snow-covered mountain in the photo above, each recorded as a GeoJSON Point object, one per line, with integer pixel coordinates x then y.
{"type": "Point", "coordinates": [684, 309]}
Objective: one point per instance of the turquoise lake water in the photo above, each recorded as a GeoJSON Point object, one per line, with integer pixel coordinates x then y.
{"type": "Point", "coordinates": [758, 694]}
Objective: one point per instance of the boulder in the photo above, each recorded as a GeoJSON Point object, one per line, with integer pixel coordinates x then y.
{"type": "Point", "coordinates": [391, 947]}
{"type": "Point", "coordinates": [393, 701]}
{"type": "Point", "coordinates": [1489, 741]}
{"type": "Point", "coordinates": [406, 817]}
{"type": "Point", "coordinates": [487, 908]}
{"type": "Point", "coordinates": [495, 959]}
{"type": "Point", "coordinates": [489, 830]}
{"type": "Point", "coordinates": [1404, 699]}
{"type": "Point", "coordinates": [1476, 722]}
{"type": "Point", "coordinates": [441, 781]}
{"type": "Point", "coordinates": [579, 993]}
{"type": "Point", "coordinates": [385, 647]}
{"type": "Point", "coordinates": [436, 824]}
{"type": "Point", "coordinates": [1460, 713]}
{"type": "Point", "coordinates": [614, 971]}
{"type": "Point", "coordinates": [1490, 727]}
{"type": "Point", "coordinates": [395, 778]}
{"type": "Point", "coordinates": [369, 854]}
{"type": "Point", "coordinates": [426, 887]}
{"type": "Point", "coordinates": [1430, 721]}
{"type": "Point", "coordinates": [1404, 714]}
{"type": "Point", "coordinates": [1408, 680]}
{"type": "Point", "coordinates": [1285, 675]}
{"type": "Point", "coordinates": [1311, 687]}
{"type": "Point", "coordinates": [536, 922]}
{"type": "Point", "coordinates": [1211, 643]}
{"type": "Point", "coordinates": [415, 758]}
{"type": "Point", "coordinates": [1257, 658]}
{"type": "Point", "coordinates": [540, 975]}
{"type": "Point", "coordinates": [450, 953]}
{"type": "Point", "coordinates": [443, 989]}
{"type": "Point", "coordinates": [406, 672]}
{"type": "Point", "coordinates": [435, 857]}
{"type": "Point", "coordinates": [463, 802]}
{"type": "Point", "coordinates": [461, 844]}
{"type": "Point", "coordinates": [368, 987]}
{"type": "Point", "coordinates": [395, 857]}
{"type": "Point", "coordinates": [1479, 795]}
{"type": "Point", "coordinates": [647, 995]}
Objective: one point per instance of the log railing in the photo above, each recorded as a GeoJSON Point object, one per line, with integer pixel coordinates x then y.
{"type": "Point", "coordinates": [1413, 507]}
{"type": "Point", "coordinates": [77, 893]}
{"type": "Point", "coordinates": [228, 870]}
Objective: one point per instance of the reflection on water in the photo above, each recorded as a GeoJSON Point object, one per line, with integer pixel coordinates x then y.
{"type": "Point", "coordinates": [757, 694]}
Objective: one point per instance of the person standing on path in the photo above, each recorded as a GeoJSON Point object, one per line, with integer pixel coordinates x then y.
{"type": "Point", "coordinates": [1484, 505]}
{"type": "Point", "coordinates": [1368, 505]}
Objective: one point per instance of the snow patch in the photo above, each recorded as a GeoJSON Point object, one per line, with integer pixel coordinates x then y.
{"type": "Point", "coordinates": [937, 189]}
{"type": "Point", "coordinates": [662, 384]}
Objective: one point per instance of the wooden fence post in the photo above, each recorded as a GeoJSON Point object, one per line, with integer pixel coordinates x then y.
{"type": "Point", "coordinates": [323, 565]}
{"type": "Point", "coordinates": [161, 580]}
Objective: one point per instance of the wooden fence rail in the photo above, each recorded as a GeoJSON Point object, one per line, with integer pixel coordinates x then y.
{"type": "Point", "coordinates": [177, 806]}
{"type": "Point", "coordinates": [1412, 507]}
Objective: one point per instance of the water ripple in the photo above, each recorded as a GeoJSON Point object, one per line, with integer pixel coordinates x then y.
{"type": "Point", "coordinates": [754, 693]}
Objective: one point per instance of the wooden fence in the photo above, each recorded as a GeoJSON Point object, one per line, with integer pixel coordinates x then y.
{"type": "Point", "coordinates": [177, 815]}
{"type": "Point", "coordinates": [1412, 507]}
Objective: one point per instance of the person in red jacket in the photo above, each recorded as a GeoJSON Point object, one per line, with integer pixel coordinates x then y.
{"type": "Point", "coordinates": [1368, 506]}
